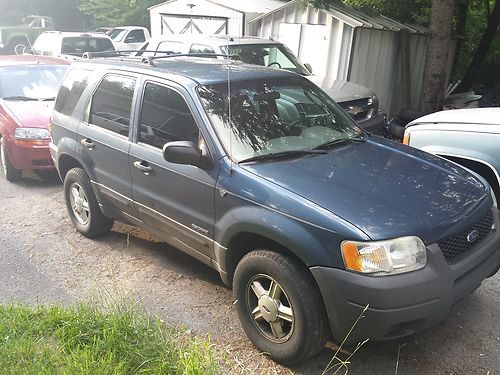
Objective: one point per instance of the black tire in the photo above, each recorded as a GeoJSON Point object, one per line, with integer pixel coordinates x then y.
{"type": "Point", "coordinates": [10, 172]}
{"type": "Point", "coordinates": [82, 205]}
{"type": "Point", "coordinates": [17, 46]}
{"type": "Point", "coordinates": [300, 337]}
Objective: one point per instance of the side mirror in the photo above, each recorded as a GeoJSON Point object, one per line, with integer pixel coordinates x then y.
{"type": "Point", "coordinates": [308, 67]}
{"type": "Point", "coordinates": [185, 152]}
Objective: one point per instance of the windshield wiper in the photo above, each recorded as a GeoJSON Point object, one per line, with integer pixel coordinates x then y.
{"type": "Point", "coordinates": [20, 97]}
{"type": "Point", "coordinates": [47, 99]}
{"type": "Point", "coordinates": [340, 141]}
{"type": "Point", "coordinates": [283, 154]}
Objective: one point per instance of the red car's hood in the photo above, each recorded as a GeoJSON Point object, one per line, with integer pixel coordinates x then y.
{"type": "Point", "coordinates": [30, 114]}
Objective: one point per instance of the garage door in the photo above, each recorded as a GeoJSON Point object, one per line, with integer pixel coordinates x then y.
{"type": "Point", "coordinates": [187, 24]}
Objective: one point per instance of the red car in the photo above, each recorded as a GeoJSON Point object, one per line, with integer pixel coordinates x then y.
{"type": "Point", "coordinates": [28, 87]}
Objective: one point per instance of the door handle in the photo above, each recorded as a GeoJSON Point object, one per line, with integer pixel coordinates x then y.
{"type": "Point", "coordinates": [88, 143]}
{"type": "Point", "coordinates": [143, 166]}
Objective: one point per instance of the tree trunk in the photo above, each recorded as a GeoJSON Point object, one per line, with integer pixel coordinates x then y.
{"type": "Point", "coordinates": [462, 11]}
{"type": "Point", "coordinates": [436, 62]}
{"type": "Point", "coordinates": [482, 49]}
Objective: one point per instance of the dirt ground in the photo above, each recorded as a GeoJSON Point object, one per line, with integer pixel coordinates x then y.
{"type": "Point", "coordinates": [44, 260]}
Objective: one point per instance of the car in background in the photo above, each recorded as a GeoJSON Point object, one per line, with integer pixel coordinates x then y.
{"type": "Point", "coordinates": [128, 38]}
{"type": "Point", "coordinates": [360, 102]}
{"type": "Point", "coordinates": [469, 137]}
{"type": "Point", "coordinates": [28, 88]}
{"type": "Point", "coordinates": [71, 45]}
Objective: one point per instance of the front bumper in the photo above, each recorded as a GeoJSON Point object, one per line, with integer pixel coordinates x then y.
{"type": "Point", "coordinates": [29, 155]}
{"type": "Point", "coordinates": [403, 304]}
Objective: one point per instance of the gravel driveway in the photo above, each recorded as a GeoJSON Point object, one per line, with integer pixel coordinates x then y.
{"type": "Point", "coordinates": [44, 260]}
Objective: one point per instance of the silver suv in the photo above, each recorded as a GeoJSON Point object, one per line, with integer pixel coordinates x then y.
{"type": "Point", "coordinates": [359, 101]}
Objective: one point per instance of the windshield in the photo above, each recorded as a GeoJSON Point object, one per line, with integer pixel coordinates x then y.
{"type": "Point", "coordinates": [116, 34]}
{"type": "Point", "coordinates": [36, 82]}
{"type": "Point", "coordinates": [265, 117]}
{"type": "Point", "coordinates": [272, 55]}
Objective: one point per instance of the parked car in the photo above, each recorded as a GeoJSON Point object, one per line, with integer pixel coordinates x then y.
{"type": "Point", "coordinates": [28, 88]}
{"type": "Point", "coordinates": [259, 174]}
{"type": "Point", "coordinates": [71, 45]}
{"type": "Point", "coordinates": [469, 137]}
{"type": "Point", "coordinates": [129, 38]}
{"type": "Point", "coordinates": [360, 102]}
{"type": "Point", "coordinates": [16, 39]}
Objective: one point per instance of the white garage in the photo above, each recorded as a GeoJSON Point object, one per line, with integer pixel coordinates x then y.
{"type": "Point", "coordinates": [223, 17]}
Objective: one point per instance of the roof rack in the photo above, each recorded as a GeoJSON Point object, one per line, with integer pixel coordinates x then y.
{"type": "Point", "coordinates": [149, 60]}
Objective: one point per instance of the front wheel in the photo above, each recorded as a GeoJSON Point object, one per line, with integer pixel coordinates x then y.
{"type": "Point", "coordinates": [82, 205]}
{"type": "Point", "coordinates": [280, 307]}
{"type": "Point", "coordinates": [11, 173]}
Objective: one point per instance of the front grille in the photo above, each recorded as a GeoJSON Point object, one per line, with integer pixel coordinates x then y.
{"type": "Point", "coordinates": [359, 109]}
{"type": "Point", "coordinates": [458, 244]}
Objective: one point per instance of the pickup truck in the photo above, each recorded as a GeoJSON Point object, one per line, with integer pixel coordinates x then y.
{"type": "Point", "coordinates": [129, 38]}
{"type": "Point", "coordinates": [15, 39]}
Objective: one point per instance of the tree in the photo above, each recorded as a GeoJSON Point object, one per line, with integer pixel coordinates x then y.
{"type": "Point", "coordinates": [436, 62]}
{"type": "Point", "coordinates": [492, 23]}
{"type": "Point", "coordinates": [119, 12]}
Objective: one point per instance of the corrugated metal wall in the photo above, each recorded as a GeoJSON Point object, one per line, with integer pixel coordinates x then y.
{"type": "Point", "coordinates": [376, 63]}
{"type": "Point", "coordinates": [368, 55]}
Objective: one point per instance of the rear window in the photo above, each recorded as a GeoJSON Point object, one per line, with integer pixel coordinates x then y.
{"type": "Point", "coordinates": [76, 46]}
{"type": "Point", "coordinates": [71, 91]}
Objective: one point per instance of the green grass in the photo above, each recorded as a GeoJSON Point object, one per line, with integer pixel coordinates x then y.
{"type": "Point", "coordinates": [85, 340]}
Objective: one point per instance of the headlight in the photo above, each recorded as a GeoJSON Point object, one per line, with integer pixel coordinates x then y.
{"type": "Point", "coordinates": [382, 258]}
{"type": "Point", "coordinates": [31, 133]}
{"type": "Point", "coordinates": [373, 101]}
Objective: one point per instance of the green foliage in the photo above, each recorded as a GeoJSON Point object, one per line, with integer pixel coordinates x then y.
{"type": "Point", "coordinates": [476, 24]}
{"type": "Point", "coordinates": [119, 12]}
{"type": "Point", "coordinates": [83, 340]}
{"type": "Point", "coordinates": [402, 10]}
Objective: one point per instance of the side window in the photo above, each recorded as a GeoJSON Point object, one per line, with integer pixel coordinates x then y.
{"type": "Point", "coordinates": [200, 48]}
{"type": "Point", "coordinates": [169, 48]}
{"type": "Point", "coordinates": [74, 85]}
{"type": "Point", "coordinates": [135, 36]}
{"type": "Point", "coordinates": [165, 117]}
{"type": "Point", "coordinates": [112, 104]}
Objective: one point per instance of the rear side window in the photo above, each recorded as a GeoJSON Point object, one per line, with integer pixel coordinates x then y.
{"type": "Point", "coordinates": [76, 46]}
{"type": "Point", "coordinates": [112, 104]}
{"type": "Point", "coordinates": [165, 117]}
{"type": "Point", "coordinates": [201, 48]}
{"type": "Point", "coordinates": [71, 91]}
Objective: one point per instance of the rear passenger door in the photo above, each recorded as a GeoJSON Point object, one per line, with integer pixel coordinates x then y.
{"type": "Point", "coordinates": [176, 200]}
{"type": "Point", "coordinates": [104, 143]}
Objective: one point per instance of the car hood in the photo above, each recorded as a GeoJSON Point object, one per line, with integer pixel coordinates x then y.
{"type": "Point", "coordinates": [30, 114]}
{"type": "Point", "coordinates": [341, 91]}
{"type": "Point", "coordinates": [384, 189]}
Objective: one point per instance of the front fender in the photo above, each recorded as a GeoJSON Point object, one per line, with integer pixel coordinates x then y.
{"type": "Point", "coordinates": [312, 244]}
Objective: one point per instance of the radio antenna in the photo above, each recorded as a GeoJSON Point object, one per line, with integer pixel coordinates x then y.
{"type": "Point", "coordinates": [229, 114]}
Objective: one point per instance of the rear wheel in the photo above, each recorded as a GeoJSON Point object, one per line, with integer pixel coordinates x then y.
{"type": "Point", "coordinates": [10, 172]}
{"type": "Point", "coordinates": [82, 205]}
{"type": "Point", "coordinates": [17, 46]}
{"type": "Point", "coordinates": [280, 307]}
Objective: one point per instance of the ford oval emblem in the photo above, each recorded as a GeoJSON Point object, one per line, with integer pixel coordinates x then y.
{"type": "Point", "coordinates": [473, 236]}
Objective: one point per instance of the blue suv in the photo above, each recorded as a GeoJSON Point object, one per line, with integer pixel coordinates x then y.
{"type": "Point", "coordinates": [257, 173]}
